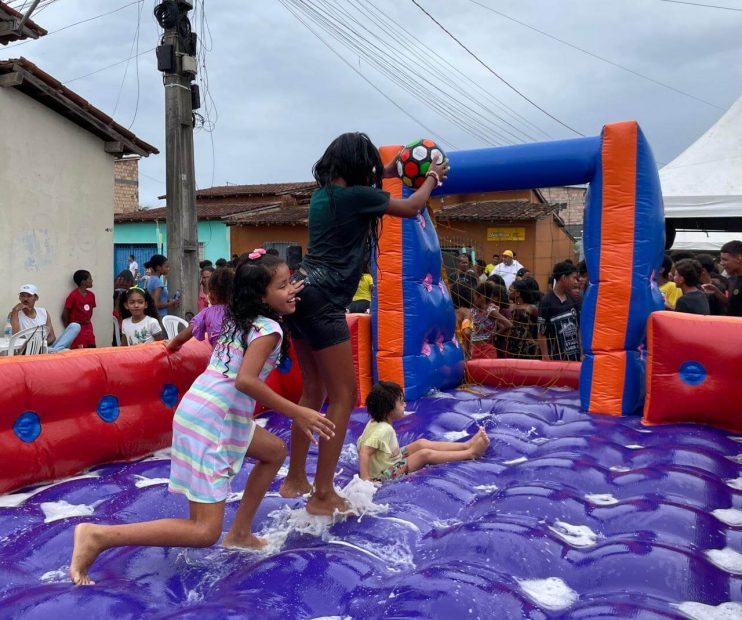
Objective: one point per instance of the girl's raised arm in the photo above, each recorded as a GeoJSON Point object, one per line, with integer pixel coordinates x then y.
{"type": "Point", "coordinates": [412, 205]}
{"type": "Point", "coordinates": [248, 381]}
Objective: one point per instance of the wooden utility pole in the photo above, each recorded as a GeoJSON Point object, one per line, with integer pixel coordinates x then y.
{"type": "Point", "coordinates": [179, 67]}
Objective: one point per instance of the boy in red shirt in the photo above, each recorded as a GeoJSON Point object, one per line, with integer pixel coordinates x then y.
{"type": "Point", "coordinates": [79, 309]}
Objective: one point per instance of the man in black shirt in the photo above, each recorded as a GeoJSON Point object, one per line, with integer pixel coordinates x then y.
{"type": "Point", "coordinates": [687, 278]}
{"type": "Point", "coordinates": [731, 260]}
{"type": "Point", "coordinates": [712, 284]}
{"type": "Point", "coordinates": [559, 316]}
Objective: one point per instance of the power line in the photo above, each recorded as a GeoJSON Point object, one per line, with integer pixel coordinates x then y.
{"type": "Point", "coordinates": [589, 53]}
{"type": "Point", "coordinates": [493, 72]}
{"type": "Point", "coordinates": [294, 12]}
{"type": "Point", "coordinates": [73, 24]}
{"type": "Point", "coordinates": [708, 6]}
{"type": "Point", "coordinates": [80, 77]}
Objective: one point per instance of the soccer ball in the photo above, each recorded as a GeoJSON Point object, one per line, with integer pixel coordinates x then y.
{"type": "Point", "coordinates": [415, 159]}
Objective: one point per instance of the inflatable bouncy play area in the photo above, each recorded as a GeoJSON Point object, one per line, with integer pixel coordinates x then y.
{"type": "Point", "coordinates": [611, 488]}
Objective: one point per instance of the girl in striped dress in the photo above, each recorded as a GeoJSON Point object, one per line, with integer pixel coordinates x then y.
{"type": "Point", "coordinates": [213, 429]}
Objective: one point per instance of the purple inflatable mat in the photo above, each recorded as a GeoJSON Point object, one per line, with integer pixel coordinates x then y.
{"type": "Point", "coordinates": [567, 515]}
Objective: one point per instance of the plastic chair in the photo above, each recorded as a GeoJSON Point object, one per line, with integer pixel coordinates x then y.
{"type": "Point", "coordinates": [31, 340]}
{"type": "Point", "coordinates": [116, 331]}
{"type": "Point", "coordinates": [173, 324]}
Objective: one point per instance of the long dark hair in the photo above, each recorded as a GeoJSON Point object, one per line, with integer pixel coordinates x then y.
{"type": "Point", "coordinates": [251, 280]}
{"type": "Point", "coordinates": [353, 158]}
{"type": "Point", "coordinates": [150, 310]}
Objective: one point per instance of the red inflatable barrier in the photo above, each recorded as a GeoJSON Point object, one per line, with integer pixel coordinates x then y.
{"type": "Point", "coordinates": [65, 412]}
{"type": "Point", "coordinates": [516, 373]}
{"type": "Point", "coordinates": [693, 369]}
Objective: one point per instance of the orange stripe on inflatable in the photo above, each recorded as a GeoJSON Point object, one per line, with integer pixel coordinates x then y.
{"type": "Point", "coordinates": [650, 363]}
{"type": "Point", "coordinates": [390, 314]}
{"type": "Point", "coordinates": [616, 262]}
{"type": "Point", "coordinates": [365, 373]}
{"type": "Point", "coordinates": [609, 372]}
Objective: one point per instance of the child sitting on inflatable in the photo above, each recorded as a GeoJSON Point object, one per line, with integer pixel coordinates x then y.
{"type": "Point", "coordinates": [379, 454]}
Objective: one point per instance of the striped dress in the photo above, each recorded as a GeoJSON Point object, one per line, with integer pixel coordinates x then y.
{"type": "Point", "coordinates": [213, 424]}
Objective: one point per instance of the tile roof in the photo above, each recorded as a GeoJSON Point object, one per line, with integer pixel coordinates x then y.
{"type": "Point", "coordinates": [205, 212]}
{"type": "Point", "coordinates": [289, 215]}
{"type": "Point", "coordinates": [31, 30]}
{"type": "Point", "coordinates": [496, 210]}
{"type": "Point", "coordinates": [302, 188]}
{"type": "Point", "coordinates": [50, 92]}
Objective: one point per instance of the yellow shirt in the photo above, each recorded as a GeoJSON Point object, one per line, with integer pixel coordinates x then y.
{"type": "Point", "coordinates": [364, 288]}
{"type": "Point", "coordinates": [489, 269]}
{"type": "Point", "coordinates": [671, 293]}
{"type": "Point", "coordinates": [380, 435]}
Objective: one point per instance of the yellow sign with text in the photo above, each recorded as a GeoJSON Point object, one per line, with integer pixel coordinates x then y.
{"type": "Point", "coordinates": [513, 233]}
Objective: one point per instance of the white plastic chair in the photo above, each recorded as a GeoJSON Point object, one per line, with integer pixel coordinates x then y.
{"type": "Point", "coordinates": [32, 341]}
{"type": "Point", "coordinates": [116, 331]}
{"type": "Point", "coordinates": [173, 324]}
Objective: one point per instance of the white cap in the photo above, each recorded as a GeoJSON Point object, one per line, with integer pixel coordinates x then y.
{"type": "Point", "coordinates": [30, 289]}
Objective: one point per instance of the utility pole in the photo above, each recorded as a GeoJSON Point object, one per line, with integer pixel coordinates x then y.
{"type": "Point", "coordinates": [176, 58]}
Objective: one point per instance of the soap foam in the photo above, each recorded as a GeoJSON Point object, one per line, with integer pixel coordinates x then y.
{"type": "Point", "coordinates": [730, 516]}
{"type": "Point", "coordinates": [601, 499]}
{"type": "Point", "coordinates": [574, 535]}
{"type": "Point", "coordinates": [699, 611]}
{"type": "Point", "coordinates": [142, 481]}
{"type": "Point", "coordinates": [726, 559]}
{"type": "Point", "coordinates": [55, 511]}
{"type": "Point", "coordinates": [551, 593]}
{"type": "Point", "coordinates": [518, 461]}
{"type": "Point", "coordinates": [13, 500]}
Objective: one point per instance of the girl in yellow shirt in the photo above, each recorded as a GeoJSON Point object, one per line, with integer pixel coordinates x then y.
{"type": "Point", "coordinates": [379, 453]}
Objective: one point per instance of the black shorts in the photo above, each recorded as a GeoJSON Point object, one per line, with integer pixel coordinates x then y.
{"type": "Point", "coordinates": [317, 320]}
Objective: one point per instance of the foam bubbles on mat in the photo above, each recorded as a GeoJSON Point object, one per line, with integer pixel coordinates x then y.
{"type": "Point", "coordinates": [518, 461]}
{"type": "Point", "coordinates": [55, 511]}
{"type": "Point", "coordinates": [13, 500]}
{"type": "Point", "coordinates": [699, 611]}
{"type": "Point", "coordinates": [455, 435]}
{"type": "Point", "coordinates": [730, 516]}
{"type": "Point", "coordinates": [574, 535]}
{"type": "Point", "coordinates": [349, 453]}
{"type": "Point", "coordinates": [726, 559]}
{"type": "Point", "coordinates": [142, 481]}
{"type": "Point", "coordinates": [735, 483]}
{"type": "Point", "coordinates": [601, 499]}
{"type": "Point", "coordinates": [61, 575]}
{"type": "Point", "coordinates": [550, 593]}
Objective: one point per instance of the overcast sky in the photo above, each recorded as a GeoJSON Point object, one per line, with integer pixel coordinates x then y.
{"type": "Point", "coordinates": [281, 95]}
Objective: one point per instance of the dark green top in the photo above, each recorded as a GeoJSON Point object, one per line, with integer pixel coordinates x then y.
{"type": "Point", "coordinates": [339, 219]}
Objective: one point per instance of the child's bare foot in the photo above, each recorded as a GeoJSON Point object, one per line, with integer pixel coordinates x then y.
{"type": "Point", "coordinates": [250, 541]}
{"type": "Point", "coordinates": [327, 504]}
{"type": "Point", "coordinates": [294, 488]}
{"type": "Point", "coordinates": [84, 552]}
{"type": "Point", "coordinates": [481, 442]}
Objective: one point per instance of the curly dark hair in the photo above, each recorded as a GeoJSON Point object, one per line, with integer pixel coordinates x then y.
{"type": "Point", "coordinates": [251, 280]}
{"type": "Point", "coordinates": [382, 399]}
{"type": "Point", "coordinates": [149, 310]}
{"type": "Point", "coordinates": [353, 158]}
{"type": "Point", "coordinates": [221, 281]}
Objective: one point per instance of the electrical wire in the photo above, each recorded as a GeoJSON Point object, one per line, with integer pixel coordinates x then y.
{"type": "Point", "coordinates": [708, 6]}
{"type": "Point", "coordinates": [601, 58]}
{"type": "Point", "coordinates": [77, 23]}
{"type": "Point", "coordinates": [115, 64]}
{"type": "Point", "coordinates": [134, 42]}
{"type": "Point", "coordinates": [295, 12]}
{"type": "Point", "coordinates": [493, 72]}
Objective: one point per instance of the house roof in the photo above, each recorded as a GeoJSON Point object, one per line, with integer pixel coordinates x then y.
{"type": "Point", "coordinates": [8, 15]}
{"type": "Point", "coordinates": [204, 212]}
{"type": "Point", "coordinates": [303, 188]}
{"type": "Point", "coordinates": [496, 210]}
{"type": "Point", "coordinates": [26, 77]}
{"type": "Point", "coordinates": [288, 215]}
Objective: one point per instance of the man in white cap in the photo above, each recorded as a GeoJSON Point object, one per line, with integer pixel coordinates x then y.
{"type": "Point", "coordinates": [508, 268]}
{"type": "Point", "coordinates": [25, 315]}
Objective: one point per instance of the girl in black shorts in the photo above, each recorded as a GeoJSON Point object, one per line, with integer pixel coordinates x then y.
{"type": "Point", "coordinates": [344, 222]}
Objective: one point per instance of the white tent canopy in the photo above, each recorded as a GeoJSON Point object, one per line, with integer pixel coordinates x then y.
{"type": "Point", "coordinates": [702, 241]}
{"type": "Point", "coordinates": [705, 180]}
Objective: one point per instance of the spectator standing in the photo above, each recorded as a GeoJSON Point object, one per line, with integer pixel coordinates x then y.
{"type": "Point", "coordinates": [156, 285]}
{"type": "Point", "coordinates": [362, 299]}
{"type": "Point", "coordinates": [731, 261]}
{"type": "Point", "coordinates": [670, 292]}
{"type": "Point", "coordinates": [508, 268]}
{"type": "Point", "coordinates": [134, 267]}
{"type": "Point", "coordinates": [203, 287]}
{"type": "Point", "coordinates": [712, 284]}
{"type": "Point", "coordinates": [522, 339]}
{"type": "Point", "coordinates": [687, 278]}
{"type": "Point", "coordinates": [559, 316]}
{"type": "Point", "coordinates": [78, 308]}
{"type": "Point", "coordinates": [491, 266]}
{"type": "Point", "coordinates": [141, 324]}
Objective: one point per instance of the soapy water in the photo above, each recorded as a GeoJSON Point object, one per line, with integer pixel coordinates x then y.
{"type": "Point", "coordinates": [573, 525]}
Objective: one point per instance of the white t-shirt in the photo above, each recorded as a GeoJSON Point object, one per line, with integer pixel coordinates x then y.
{"type": "Point", "coordinates": [134, 268]}
{"type": "Point", "coordinates": [24, 322]}
{"type": "Point", "coordinates": [508, 272]}
{"type": "Point", "coordinates": [142, 332]}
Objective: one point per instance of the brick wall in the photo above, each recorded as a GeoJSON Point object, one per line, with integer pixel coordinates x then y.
{"type": "Point", "coordinates": [126, 185]}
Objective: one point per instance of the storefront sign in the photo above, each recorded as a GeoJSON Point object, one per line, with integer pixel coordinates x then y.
{"type": "Point", "coordinates": [514, 233]}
